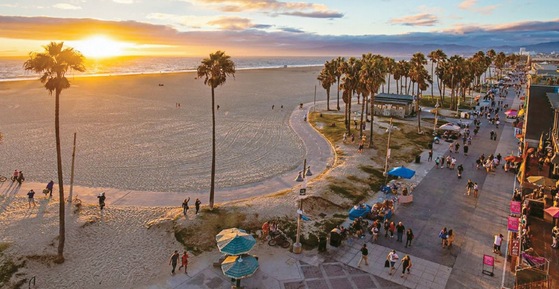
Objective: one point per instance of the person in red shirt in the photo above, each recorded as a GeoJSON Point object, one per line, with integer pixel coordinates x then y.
{"type": "Point", "coordinates": [184, 262]}
{"type": "Point", "coordinates": [265, 230]}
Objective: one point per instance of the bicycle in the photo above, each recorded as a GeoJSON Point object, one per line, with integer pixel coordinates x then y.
{"type": "Point", "coordinates": [279, 239]}
{"type": "Point", "coordinates": [3, 179]}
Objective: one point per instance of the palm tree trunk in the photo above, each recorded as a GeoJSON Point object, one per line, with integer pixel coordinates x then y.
{"type": "Point", "coordinates": [372, 100]}
{"type": "Point", "coordinates": [212, 184]}
{"type": "Point", "coordinates": [388, 83]}
{"type": "Point", "coordinates": [440, 84]}
{"type": "Point", "coordinates": [433, 76]}
{"type": "Point", "coordinates": [338, 94]}
{"type": "Point", "coordinates": [349, 111]}
{"type": "Point", "coordinates": [328, 99]}
{"type": "Point", "coordinates": [418, 112]}
{"type": "Point", "coordinates": [363, 104]}
{"type": "Point", "coordinates": [61, 213]}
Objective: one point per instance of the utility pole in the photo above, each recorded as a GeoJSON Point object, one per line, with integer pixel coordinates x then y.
{"type": "Point", "coordinates": [72, 173]}
{"type": "Point", "coordinates": [297, 248]}
{"type": "Point", "coordinates": [314, 105]}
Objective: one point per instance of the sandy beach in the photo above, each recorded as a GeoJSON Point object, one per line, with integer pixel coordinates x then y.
{"type": "Point", "coordinates": [131, 135]}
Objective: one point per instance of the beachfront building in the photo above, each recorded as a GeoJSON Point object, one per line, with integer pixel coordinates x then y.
{"type": "Point", "coordinates": [394, 105]}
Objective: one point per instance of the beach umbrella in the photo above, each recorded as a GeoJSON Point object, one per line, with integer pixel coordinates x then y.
{"type": "Point", "coordinates": [234, 241]}
{"type": "Point", "coordinates": [449, 126]}
{"type": "Point", "coordinates": [239, 267]}
{"type": "Point", "coordinates": [513, 159]}
{"type": "Point", "coordinates": [553, 211]}
{"type": "Point", "coordinates": [542, 181]}
{"type": "Point", "coordinates": [402, 172]}
{"type": "Point", "coordinates": [511, 112]}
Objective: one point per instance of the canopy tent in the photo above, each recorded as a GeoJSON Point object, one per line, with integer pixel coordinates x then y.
{"type": "Point", "coordinates": [234, 241]}
{"type": "Point", "coordinates": [449, 126]}
{"type": "Point", "coordinates": [553, 211]}
{"type": "Point", "coordinates": [402, 172]}
{"type": "Point", "coordinates": [542, 181]}
{"type": "Point", "coordinates": [511, 112]}
{"type": "Point", "coordinates": [359, 211]}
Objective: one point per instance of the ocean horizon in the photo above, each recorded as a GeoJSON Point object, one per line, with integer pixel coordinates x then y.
{"type": "Point", "coordinates": [11, 68]}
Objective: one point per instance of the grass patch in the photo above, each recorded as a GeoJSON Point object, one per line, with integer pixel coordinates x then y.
{"type": "Point", "coordinates": [347, 192]}
{"type": "Point", "coordinates": [323, 123]}
{"type": "Point", "coordinates": [8, 268]}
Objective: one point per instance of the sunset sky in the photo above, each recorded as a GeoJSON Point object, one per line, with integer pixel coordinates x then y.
{"type": "Point", "coordinates": [269, 27]}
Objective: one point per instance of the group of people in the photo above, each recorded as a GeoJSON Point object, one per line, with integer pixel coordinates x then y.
{"type": "Point", "coordinates": [18, 177]}
{"type": "Point", "coordinates": [185, 206]}
{"type": "Point", "coordinates": [447, 238]}
{"type": "Point", "coordinates": [31, 193]}
{"type": "Point", "coordinates": [390, 262]}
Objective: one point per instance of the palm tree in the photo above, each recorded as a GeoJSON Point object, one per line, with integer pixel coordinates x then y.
{"type": "Point", "coordinates": [500, 61]}
{"type": "Point", "coordinates": [215, 71]}
{"type": "Point", "coordinates": [390, 66]}
{"type": "Point", "coordinates": [417, 63]}
{"type": "Point", "coordinates": [490, 56]}
{"type": "Point", "coordinates": [53, 64]}
{"type": "Point", "coordinates": [372, 74]}
{"type": "Point", "coordinates": [420, 76]}
{"type": "Point", "coordinates": [440, 56]}
{"type": "Point", "coordinates": [327, 78]}
{"type": "Point", "coordinates": [350, 69]}
{"type": "Point", "coordinates": [337, 63]}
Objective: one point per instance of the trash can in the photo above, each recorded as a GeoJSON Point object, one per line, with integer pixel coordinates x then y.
{"type": "Point", "coordinates": [335, 238]}
{"type": "Point", "coordinates": [322, 244]}
{"type": "Point", "coordinates": [417, 159]}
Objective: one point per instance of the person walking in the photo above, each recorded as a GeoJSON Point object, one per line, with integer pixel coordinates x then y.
{"type": "Point", "coordinates": [450, 238]}
{"type": "Point", "coordinates": [392, 228]}
{"type": "Point", "coordinates": [31, 198]}
{"type": "Point", "coordinates": [469, 187]}
{"type": "Point", "coordinates": [497, 244]}
{"type": "Point", "coordinates": [400, 229]}
{"type": "Point", "coordinates": [197, 204]}
{"type": "Point", "coordinates": [443, 235]}
{"type": "Point", "coordinates": [476, 190]}
{"type": "Point", "coordinates": [102, 198]}
{"type": "Point", "coordinates": [265, 230]}
{"type": "Point", "coordinates": [16, 175]}
{"type": "Point", "coordinates": [406, 265]}
{"type": "Point", "coordinates": [430, 158]}
{"type": "Point", "coordinates": [184, 262]}
{"type": "Point", "coordinates": [50, 185]}
{"type": "Point", "coordinates": [386, 226]}
{"type": "Point", "coordinates": [437, 162]}
{"type": "Point", "coordinates": [392, 258]}
{"type": "Point", "coordinates": [185, 206]}
{"type": "Point", "coordinates": [173, 261]}
{"type": "Point", "coordinates": [364, 254]}
{"type": "Point", "coordinates": [466, 149]}
{"type": "Point", "coordinates": [375, 232]}
{"type": "Point", "coordinates": [409, 237]}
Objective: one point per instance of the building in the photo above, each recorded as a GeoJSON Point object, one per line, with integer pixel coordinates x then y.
{"type": "Point", "coordinates": [394, 105]}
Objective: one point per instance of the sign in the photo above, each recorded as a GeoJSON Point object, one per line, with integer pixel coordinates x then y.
{"type": "Point", "coordinates": [302, 192]}
{"type": "Point", "coordinates": [512, 224]}
{"type": "Point", "coordinates": [515, 208]}
{"type": "Point", "coordinates": [515, 247]}
{"type": "Point", "coordinates": [488, 261]}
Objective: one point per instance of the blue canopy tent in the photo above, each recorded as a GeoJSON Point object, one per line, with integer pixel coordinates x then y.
{"type": "Point", "coordinates": [402, 172]}
{"type": "Point", "coordinates": [359, 211]}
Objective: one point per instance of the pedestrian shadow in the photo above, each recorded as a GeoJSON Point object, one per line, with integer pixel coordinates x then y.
{"type": "Point", "coordinates": [8, 196]}
{"type": "Point", "coordinates": [43, 205]}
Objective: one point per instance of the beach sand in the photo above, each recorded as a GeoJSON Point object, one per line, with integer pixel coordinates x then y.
{"type": "Point", "coordinates": [131, 136]}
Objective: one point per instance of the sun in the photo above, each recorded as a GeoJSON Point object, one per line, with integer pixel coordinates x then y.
{"type": "Point", "coordinates": [100, 46]}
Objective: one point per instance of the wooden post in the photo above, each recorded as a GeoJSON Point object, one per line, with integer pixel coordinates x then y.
{"type": "Point", "coordinates": [72, 173]}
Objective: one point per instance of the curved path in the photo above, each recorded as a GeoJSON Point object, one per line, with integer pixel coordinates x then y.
{"type": "Point", "coordinates": [318, 151]}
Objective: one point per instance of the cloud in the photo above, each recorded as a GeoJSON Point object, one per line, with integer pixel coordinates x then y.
{"type": "Point", "coordinates": [281, 41]}
{"type": "Point", "coordinates": [235, 23]}
{"type": "Point", "coordinates": [291, 30]}
{"type": "Point", "coordinates": [416, 20]}
{"type": "Point", "coordinates": [66, 6]}
{"type": "Point", "coordinates": [124, 1]}
{"type": "Point", "coordinates": [275, 7]}
{"type": "Point", "coordinates": [222, 22]}
{"type": "Point", "coordinates": [471, 6]}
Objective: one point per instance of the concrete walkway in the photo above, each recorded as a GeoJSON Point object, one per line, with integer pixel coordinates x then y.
{"type": "Point", "coordinates": [319, 154]}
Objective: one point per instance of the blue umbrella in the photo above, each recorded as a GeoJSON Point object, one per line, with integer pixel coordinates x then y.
{"type": "Point", "coordinates": [402, 172]}
{"type": "Point", "coordinates": [234, 241]}
{"type": "Point", "coordinates": [239, 267]}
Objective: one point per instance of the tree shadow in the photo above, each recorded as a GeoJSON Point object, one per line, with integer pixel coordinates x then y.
{"type": "Point", "coordinates": [8, 195]}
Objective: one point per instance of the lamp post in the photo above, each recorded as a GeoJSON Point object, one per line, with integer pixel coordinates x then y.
{"type": "Point", "coordinates": [297, 248]}
{"type": "Point", "coordinates": [436, 116]}
{"type": "Point", "coordinates": [389, 130]}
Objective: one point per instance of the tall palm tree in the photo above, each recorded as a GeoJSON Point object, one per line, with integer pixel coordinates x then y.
{"type": "Point", "coordinates": [337, 63]}
{"type": "Point", "coordinates": [327, 78]}
{"type": "Point", "coordinates": [390, 64]}
{"type": "Point", "coordinates": [440, 56]}
{"type": "Point", "coordinates": [500, 61]}
{"type": "Point", "coordinates": [418, 62]}
{"type": "Point", "coordinates": [373, 75]}
{"type": "Point", "coordinates": [433, 57]}
{"type": "Point", "coordinates": [215, 71]}
{"type": "Point", "coordinates": [53, 64]}
{"type": "Point", "coordinates": [489, 57]}
{"type": "Point", "coordinates": [350, 69]}
{"type": "Point", "coordinates": [421, 76]}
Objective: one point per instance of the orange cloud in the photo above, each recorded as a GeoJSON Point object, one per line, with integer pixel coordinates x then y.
{"type": "Point", "coordinates": [416, 20]}
{"type": "Point", "coordinates": [301, 9]}
{"type": "Point", "coordinates": [471, 5]}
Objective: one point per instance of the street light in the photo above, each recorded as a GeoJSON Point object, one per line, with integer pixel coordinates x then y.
{"type": "Point", "coordinates": [297, 248]}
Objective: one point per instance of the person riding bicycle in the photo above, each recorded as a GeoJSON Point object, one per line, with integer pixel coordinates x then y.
{"type": "Point", "coordinates": [16, 174]}
{"type": "Point", "coordinates": [20, 178]}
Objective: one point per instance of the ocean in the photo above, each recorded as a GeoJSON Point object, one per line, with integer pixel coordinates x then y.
{"type": "Point", "coordinates": [11, 68]}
